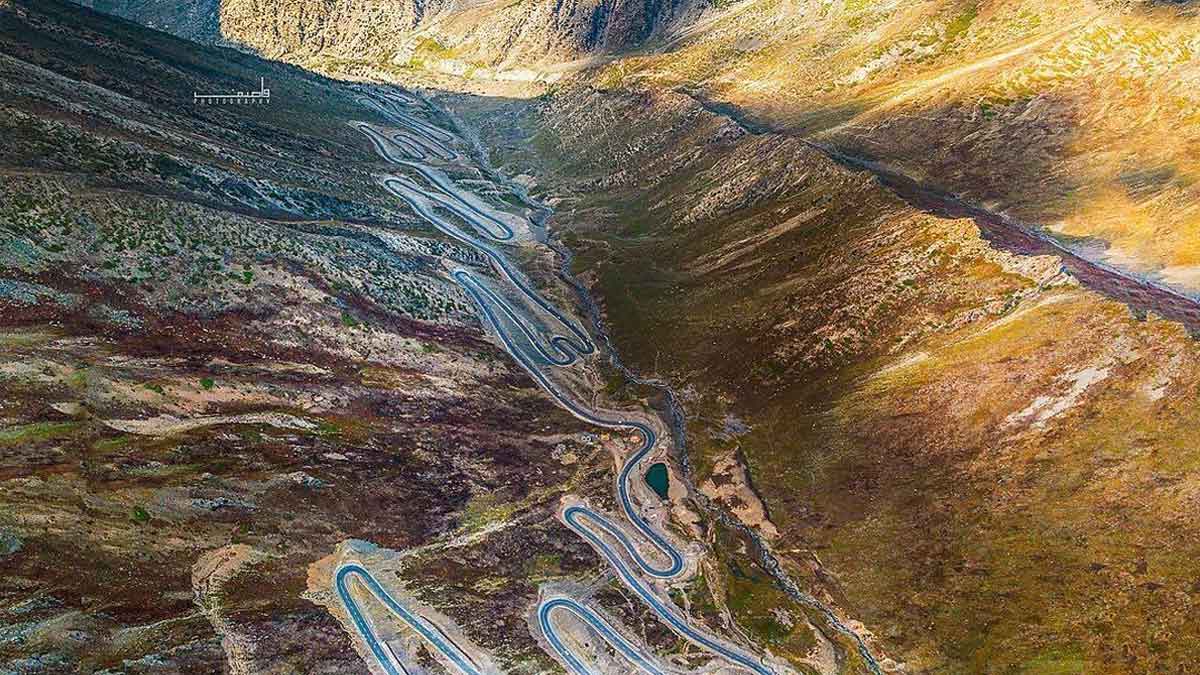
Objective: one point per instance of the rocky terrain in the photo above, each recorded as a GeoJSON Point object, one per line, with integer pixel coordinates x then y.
{"type": "Point", "coordinates": [197, 21]}
{"type": "Point", "coordinates": [922, 276]}
{"type": "Point", "coordinates": [1077, 118]}
{"type": "Point", "coordinates": [233, 363]}
{"type": "Point", "coordinates": [457, 37]}
{"type": "Point", "coordinates": [226, 353]}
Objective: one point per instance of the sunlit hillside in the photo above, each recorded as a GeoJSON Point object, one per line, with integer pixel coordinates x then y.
{"type": "Point", "coordinates": [883, 314]}
{"type": "Point", "coordinates": [1080, 117]}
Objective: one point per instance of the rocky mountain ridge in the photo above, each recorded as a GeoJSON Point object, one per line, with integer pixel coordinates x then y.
{"type": "Point", "coordinates": [1076, 118]}
{"type": "Point", "coordinates": [474, 34]}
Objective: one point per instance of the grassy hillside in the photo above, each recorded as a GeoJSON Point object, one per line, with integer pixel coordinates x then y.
{"type": "Point", "coordinates": [984, 463]}
{"type": "Point", "coordinates": [223, 353]}
{"type": "Point", "coordinates": [973, 459]}
{"type": "Point", "coordinates": [1080, 117]}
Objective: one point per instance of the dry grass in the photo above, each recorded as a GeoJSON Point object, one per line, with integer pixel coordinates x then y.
{"type": "Point", "coordinates": [1041, 109]}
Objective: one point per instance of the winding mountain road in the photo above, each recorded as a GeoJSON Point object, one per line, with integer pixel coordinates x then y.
{"type": "Point", "coordinates": [436, 638]}
{"type": "Point", "coordinates": [577, 517]}
{"type": "Point", "coordinates": [402, 117]}
{"type": "Point", "coordinates": [535, 347]}
{"type": "Point", "coordinates": [568, 348]}
{"type": "Point", "coordinates": [627, 649]}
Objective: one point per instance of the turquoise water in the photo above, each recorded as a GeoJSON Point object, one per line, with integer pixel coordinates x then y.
{"type": "Point", "coordinates": [658, 480]}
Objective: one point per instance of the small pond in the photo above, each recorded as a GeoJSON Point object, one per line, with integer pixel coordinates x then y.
{"type": "Point", "coordinates": [658, 479]}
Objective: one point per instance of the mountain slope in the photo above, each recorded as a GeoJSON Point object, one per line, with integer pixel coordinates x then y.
{"type": "Point", "coordinates": [461, 36]}
{"type": "Point", "coordinates": [977, 457]}
{"type": "Point", "coordinates": [985, 463]}
{"type": "Point", "coordinates": [1077, 117]}
{"type": "Point", "coordinates": [189, 19]}
{"type": "Point", "coordinates": [224, 352]}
